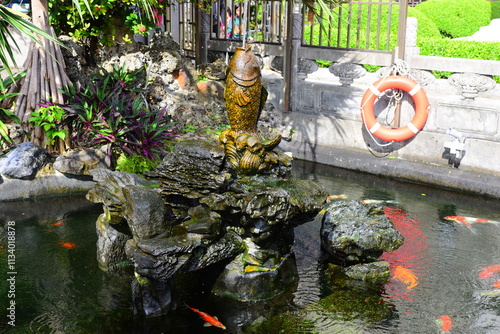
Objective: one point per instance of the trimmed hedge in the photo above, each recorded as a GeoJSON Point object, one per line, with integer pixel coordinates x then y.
{"type": "Point", "coordinates": [441, 47]}
{"type": "Point", "coordinates": [425, 28]}
{"type": "Point", "coordinates": [495, 9]}
{"type": "Point", "coordinates": [459, 49]}
{"type": "Point", "coordinates": [457, 18]}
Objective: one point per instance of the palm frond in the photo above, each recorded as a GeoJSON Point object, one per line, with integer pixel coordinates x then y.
{"type": "Point", "coordinates": [17, 20]}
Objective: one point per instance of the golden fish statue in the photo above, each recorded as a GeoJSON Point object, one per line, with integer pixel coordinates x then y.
{"type": "Point", "coordinates": [245, 98]}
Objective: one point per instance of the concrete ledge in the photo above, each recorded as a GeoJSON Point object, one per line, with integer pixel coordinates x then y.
{"type": "Point", "coordinates": [43, 186]}
{"type": "Point", "coordinates": [434, 175]}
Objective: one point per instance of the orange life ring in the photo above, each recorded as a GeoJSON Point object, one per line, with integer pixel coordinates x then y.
{"type": "Point", "coordinates": [421, 108]}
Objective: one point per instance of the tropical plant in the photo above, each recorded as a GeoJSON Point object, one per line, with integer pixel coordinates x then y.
{"type": "Point", "coordinates": [100, 20]}
{"type": "Point", "coordinates": [111, 109]}
{"type": "Point", "coordinates": [49, 117]}
{"type": "Point", "coordinates": [17, 20]}
{"type": "Point", "coordinates": [6, 114]}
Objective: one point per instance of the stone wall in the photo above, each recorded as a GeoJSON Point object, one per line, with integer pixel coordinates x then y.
{"type": "Point", "coordinates": [325, 106]}
{"type": "Point", "coordinates": [327, 113]}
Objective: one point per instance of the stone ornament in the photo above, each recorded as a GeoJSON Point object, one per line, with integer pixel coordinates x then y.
{"type": "Point", "coordinates": [347, 72]}
{"type": "Point", "coordinates": [245, 97]}
{"type": "Point", "coordinates": [423, 78]}
{"type": "Point", "coordinates": [305, 67]}
{"type": "Point", "coordinates": [470, 84]}
{"type": "Point", "coordinates": [277, 63]}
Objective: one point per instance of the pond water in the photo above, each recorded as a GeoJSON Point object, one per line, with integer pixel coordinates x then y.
{"type": "Point", "coordinates": [59, 289]}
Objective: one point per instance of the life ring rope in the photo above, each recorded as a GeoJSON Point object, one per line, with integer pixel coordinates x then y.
{"type": "Point", "coordinates": [377, 125]}
{"type": "Point", "coordinates": [390, 135]}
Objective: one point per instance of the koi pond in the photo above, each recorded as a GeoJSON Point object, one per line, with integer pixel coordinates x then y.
{"type": "Point", "coordinates": [450, 281]}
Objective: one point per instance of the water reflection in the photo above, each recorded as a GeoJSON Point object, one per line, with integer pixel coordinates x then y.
{"type": "Point", "coordinates": [61, 289]}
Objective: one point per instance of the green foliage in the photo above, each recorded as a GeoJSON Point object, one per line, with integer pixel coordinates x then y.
{"type": "Point", "coordinates": [136, 164]}
{"type": "Point", "coordinates": [459, 48]}
{"type": "Point", "coordinates": [111, 109]}
{"type": "Point", "coordinates": [5, 114]}
{"type": "Point", "coordinates": [440, 47]}
{"type": "Point", "coordinates": [217, 130]}
{"type": "Point", "coordinates": [495, 10]}
{"type": "Point", "coordinates": [50, 118]}
{"type": "Point", "coordinates": [10, 18]}
{"type": "Point", "coordinates": [457, 18]}
{"type": "Point", "coordinates": [426, 28]}
{"type": "Point", "coordinates": [190, 128]}
{"type": "Point", "coordinates": [101, 19]}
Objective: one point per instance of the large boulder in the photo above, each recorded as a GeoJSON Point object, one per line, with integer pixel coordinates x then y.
{"type": "Point", "coordinates": [81, 161]}
{"type": "Point", "coordinates": [353, 232]}
{"type": "Point", "coordinates": [24, 161]}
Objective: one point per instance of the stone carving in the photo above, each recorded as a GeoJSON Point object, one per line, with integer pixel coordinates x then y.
{"type": "Point", "coordinates": [423, 78]}
{"type": "Point", "coordinates": [277, 64]}
{"type": "Point", "coordinates": [347, 72]}
{"type": "Point", "coordinates": [245, 96]}
{"type": "Point", "coordinates": [411, 31]}
{"type": "Point", "coordinates": [470, 84]}
{"type": "Point", "coordinates": [305, 67]}
{"type": "Point", "coordinates": [297, 26]}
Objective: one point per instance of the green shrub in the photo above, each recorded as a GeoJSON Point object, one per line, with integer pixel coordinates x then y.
{"type": "Point", "coordinates": [457, 18]}
{"type": "Point", "coordinates": [136, 164]}
{"type": "Point", "coordinates": [459, 49]}
{"type": "Point", "coordinates": [495, 9]}
{"type": "Point", "coordinates": [425, 28]}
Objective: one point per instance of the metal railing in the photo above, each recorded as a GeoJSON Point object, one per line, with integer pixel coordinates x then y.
{"type": "Point", "coordinates": [264, 21]}
{"type": "Point", "coordinates": [180, 21]}
{"type": "Point", "coordinates": [367, 25]}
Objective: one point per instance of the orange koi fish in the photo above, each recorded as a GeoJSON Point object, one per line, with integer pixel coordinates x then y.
{"type": "Point", "coordinates": [405, 276]}
{"type": "Point", "coordinates": [66, 244]}
{"type": "Point", "coordinates": [490, 271]}
{"type": "Point", "coordinates": [341, 196]}
{"type": "Point", "coordinates": [58, 224]}
{"type": "Point", "coordinates": [496, 285]}
{"type": "Point", "coordinates": [209, 320]}
{"type": "Point", "coordinates": [468, 221]}
{"type": "Point", "coordinates": [445, 322]}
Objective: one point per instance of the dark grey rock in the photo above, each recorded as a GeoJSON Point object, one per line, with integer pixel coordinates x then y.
{"type": "Point", "coordinates": [193, 170]}
{"type": "Point", "coordinates": [80, 162]}
{"type": "Point", "coordinates": [110, 246]}
{"type": "Point", "coordinates": [238, 283]}
{"type": "Point", "coordinates": [24, 161]}
{"type": "Point", "coordinates": [353, 232]}
{"type": "Point", "coordinates": [161, 258]}
{"type": "Point", "coordinates": [151, 297]}
{"type": "Point", "coordinates": [144, 211]}
{"type": "Point", "coordinates": [109, 191]}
